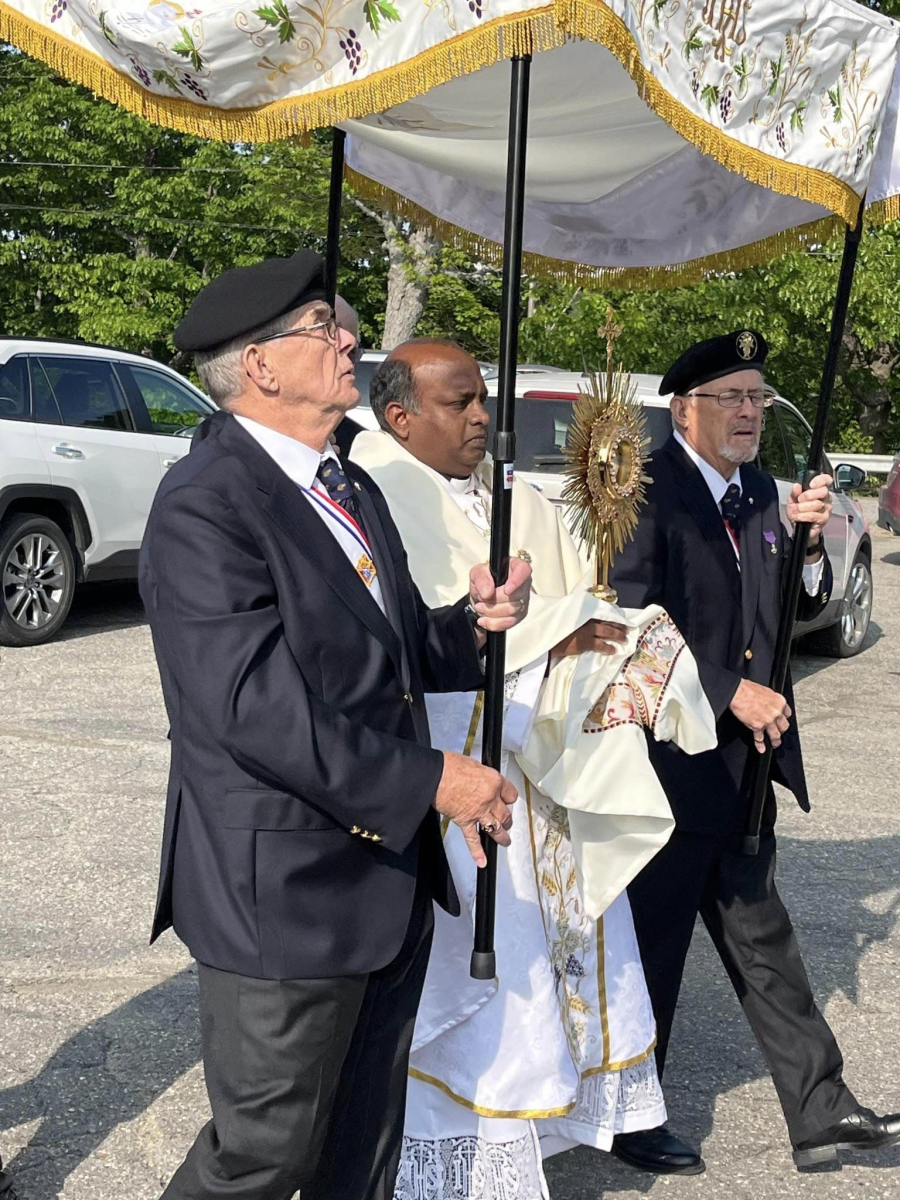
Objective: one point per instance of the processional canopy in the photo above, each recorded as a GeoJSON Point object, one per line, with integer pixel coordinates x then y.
{"type": "Point", "coordinates": [666, 137]}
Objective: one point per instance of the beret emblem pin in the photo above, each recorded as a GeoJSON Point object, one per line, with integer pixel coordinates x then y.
{"type": "Point", "coordinates": [746, 345]}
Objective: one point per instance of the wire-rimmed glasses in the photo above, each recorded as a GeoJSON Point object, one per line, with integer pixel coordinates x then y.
{"type": "Point", "coordinates": [330, 326]}
{"type": "Point", "coordinates": [734, 397]}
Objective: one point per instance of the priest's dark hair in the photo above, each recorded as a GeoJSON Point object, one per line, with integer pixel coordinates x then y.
{"type": "Point", "coordinates": [395, 380]}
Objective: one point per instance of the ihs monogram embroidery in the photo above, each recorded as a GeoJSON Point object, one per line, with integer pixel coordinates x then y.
{"type": "Point", "coordinates": [728, 19]}
{"type": "Point", "coordinates": [365, 569]}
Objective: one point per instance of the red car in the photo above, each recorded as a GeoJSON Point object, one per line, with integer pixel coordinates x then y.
{"type": "Point", "coordinates": [889, 500]}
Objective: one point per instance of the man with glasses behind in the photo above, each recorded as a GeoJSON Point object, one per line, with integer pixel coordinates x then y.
{"type": "Point", "coordinates": [711, 549]}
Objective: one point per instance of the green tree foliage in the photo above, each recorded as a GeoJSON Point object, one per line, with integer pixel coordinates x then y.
{"type": "Point", "coordinates": [111, 240]}
{"type": "Point", "coordinates": [790, 300]}
{"type": "Point", "coordinates": [117, 255]}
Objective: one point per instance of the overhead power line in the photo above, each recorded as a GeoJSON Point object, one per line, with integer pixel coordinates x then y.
{"type": "Point", "coordinates": [21, 162]}
{"type": "Point", "coordinates": [113, 215]}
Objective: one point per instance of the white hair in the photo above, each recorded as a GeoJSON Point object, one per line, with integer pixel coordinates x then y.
{"type": "Point", "coordinates": [221, 369]}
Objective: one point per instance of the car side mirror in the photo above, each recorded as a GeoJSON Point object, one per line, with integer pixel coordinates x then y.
{"type": "Point", "coordinates": [848, 478]}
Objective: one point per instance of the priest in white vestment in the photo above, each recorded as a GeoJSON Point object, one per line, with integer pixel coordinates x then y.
{"type": "Point", "coordinates": [558, 1049]}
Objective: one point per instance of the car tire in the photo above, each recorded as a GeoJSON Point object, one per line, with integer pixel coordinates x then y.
{"type": "Point", "coordinates": [37, 579]}
{"type": "Point", "coordinates": [847, 636]}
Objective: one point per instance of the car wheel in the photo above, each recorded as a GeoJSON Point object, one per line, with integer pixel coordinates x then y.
{"type": "Point", "coordinates": [37, 569]}
{"type": "Point", "coordinates": [846, 637]}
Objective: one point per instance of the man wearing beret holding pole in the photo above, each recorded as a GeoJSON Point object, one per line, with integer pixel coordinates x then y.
{"type": "Point", "coordinates": [302, 848]}
{"type": "Point", "coordinates": [711, 549]}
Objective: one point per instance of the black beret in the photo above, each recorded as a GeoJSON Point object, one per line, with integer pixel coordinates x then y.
{"type": "Point", "coordinates": [246, 298]}
{"type": "Point", "coordinates": [743, 350]}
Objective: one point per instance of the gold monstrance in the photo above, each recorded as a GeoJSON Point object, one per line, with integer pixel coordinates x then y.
{"type": "Point", "coordinates": [605, 452]}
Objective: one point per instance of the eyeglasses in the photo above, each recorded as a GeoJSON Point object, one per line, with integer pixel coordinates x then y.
{"type": "Point", "coordinates": [330, 326]}
{"type": "Point", "coordinates": [758, 397]}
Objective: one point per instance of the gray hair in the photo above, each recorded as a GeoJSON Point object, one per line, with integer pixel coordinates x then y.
{"type": "Point", "coordinates": [395, 380]}
{"type": "Point", "coordinates": [221, 369]}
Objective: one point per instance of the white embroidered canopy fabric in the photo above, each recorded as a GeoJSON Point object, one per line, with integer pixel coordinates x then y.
{"type": "Point", "coordinates": [609, 183]}
{"type": "Point", "coordinates": [790, 94]}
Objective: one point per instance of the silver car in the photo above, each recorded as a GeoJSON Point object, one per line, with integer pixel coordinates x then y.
{"type": "Point", "coordinates": [544, 411]}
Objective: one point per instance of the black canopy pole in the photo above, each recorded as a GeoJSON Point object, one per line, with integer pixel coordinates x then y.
{"type": "Point", "coordinates": [335, 193]}
{"type": "Point", "coordinates": [484, 963]}
{"type": "Point", "coordinates": [757, 778]}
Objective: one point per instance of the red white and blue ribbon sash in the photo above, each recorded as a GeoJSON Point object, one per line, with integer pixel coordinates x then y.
{"type": "Point", "coordinates": [334, 510]}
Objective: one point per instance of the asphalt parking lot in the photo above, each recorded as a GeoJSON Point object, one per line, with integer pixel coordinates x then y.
{"type": "Point", "coordinates": [101, 1090]}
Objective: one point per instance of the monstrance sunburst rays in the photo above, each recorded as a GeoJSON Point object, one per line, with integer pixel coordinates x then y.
{"type": "Point", "coordinates": [605, 452]}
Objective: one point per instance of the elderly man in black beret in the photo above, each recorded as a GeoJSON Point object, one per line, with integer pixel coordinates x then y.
{"type": "Point", "coordinates": [302, 844]}
{"type": "Point", "coordinates": [711, 548]}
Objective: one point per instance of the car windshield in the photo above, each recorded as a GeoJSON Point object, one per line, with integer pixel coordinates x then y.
{"type": "Point", "coordinates": [542, 425]}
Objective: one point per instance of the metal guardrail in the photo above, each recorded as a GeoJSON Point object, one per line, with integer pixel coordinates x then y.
{"type": "Point", "coordinates": [872, 464]}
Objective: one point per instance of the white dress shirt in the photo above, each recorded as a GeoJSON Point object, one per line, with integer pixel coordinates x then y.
{"type": "Point", "coordinates": [719, 485]}
{"type": "Point", "coordinates": [301, 463]}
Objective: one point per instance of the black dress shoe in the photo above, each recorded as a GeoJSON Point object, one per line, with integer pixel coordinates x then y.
{"type": "Point", "coordinates": [658, 1151]}
{"type": "Point", "coordinates": [860, 1130]}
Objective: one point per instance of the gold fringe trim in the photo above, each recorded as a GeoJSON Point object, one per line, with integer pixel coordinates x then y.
{"type": "Point", "coordinates": [883, 211]}
{"type": "Point", "coordinates": [501, 38]}
{"type": "Point", "coordinates": [591, 19]}
{"type": "Point", "coordinates": [632, 278]}
{"type": "Point", "coordinates": [498, 39]}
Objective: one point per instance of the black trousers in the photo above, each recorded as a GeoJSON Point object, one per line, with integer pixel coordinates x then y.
{"type": "Point", "coordinates": [737, 898]}
{"type": "Point", "coordinates": [307, 1080]}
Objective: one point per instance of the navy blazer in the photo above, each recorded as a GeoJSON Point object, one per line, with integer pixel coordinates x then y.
{"type": "Point", "coordinates": [682, 558]}
{"type": "Point", "coordinates": [299, 809]}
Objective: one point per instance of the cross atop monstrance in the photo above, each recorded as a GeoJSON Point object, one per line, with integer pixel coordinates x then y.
{"type": "Point", "coordinates": [610, 331]}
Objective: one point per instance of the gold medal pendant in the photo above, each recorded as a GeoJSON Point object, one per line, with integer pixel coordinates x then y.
{"type": "Point", "coordinates": [365, 569]}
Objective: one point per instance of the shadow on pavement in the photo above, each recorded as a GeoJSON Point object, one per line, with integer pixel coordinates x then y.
{"type": "Point", "coordinates": [830, 888]}
{"type": "Point", "coordinates": [806, 662]}
{"type": "Point", "coordinates": [893, 559]}
{"type": "Point", "coordinates": [117, 1066]}
{"type": "Point", "coordinates": [101, 607]}
{"type": "Point", "coordinates": [107, 1073]}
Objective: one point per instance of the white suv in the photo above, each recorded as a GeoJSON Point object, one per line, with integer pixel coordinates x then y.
{"type": "Point", "coordinates": [86, 434]}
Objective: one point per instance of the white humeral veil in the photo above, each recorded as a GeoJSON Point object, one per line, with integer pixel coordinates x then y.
{"type": "Point", "coordinates": [557, 1050]}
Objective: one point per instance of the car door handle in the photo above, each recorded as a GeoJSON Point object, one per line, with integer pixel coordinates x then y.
{"type": "Point", "coordinates": [65, 451]}
{"type": "Point", "coordinates": [169, 462]}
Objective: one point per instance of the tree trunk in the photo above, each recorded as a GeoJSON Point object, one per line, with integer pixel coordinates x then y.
{"type": "Point", "coordinates": [871, 388]}
{"type": "Point", "coordinates": [874, 416]}
{"type": "Point", "coordinates": [412, 257]}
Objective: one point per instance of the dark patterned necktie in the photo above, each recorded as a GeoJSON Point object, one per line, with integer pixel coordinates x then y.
{"type": "Point", "coordinates": [731, 507]}
{"type": "Point", "coordinates": [331, 475]}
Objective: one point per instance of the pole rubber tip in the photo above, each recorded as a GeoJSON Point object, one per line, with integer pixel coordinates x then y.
{"type": "Point", "coordinates": [750, 846]}
{"type": "Point", "coordinates": [483, 965]}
